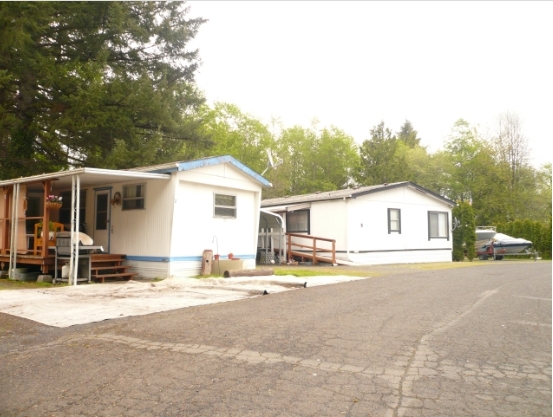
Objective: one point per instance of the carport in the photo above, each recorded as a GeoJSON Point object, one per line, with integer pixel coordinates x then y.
{"type": "Point", "coordinates": [270, 239]}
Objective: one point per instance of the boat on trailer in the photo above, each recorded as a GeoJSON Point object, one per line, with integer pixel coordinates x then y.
{"type": "Point", "coordinates": [484, 234]}
{"type": "Point", "coordinates": [501, 244]}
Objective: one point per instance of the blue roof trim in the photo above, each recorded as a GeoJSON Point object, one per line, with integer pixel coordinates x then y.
{"type": "Point", "coordinates": [215, 160]}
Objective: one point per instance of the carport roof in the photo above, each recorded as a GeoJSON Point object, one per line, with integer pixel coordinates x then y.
{"type": "Point", "coordinates": [88, 177]}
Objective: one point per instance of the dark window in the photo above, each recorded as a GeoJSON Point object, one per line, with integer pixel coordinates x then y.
{"type": "Point", "coordinates": [297, 221]}
{"type": "Point", "coordinates": [102, 211]}
{"type": "Point", "coordinates": [394, 221]}
{"type": "Point", "coordinates": [225, 206]}
{"type": "Point", "coordinates": [133, 197]}
{"type": "Point", "coordinates": [65, 210]}
{"type": "Point", "coordinates": [438, 225]}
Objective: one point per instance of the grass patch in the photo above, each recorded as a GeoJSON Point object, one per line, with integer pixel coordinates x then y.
{"type": "Point", "coordinates": [449, 265]}
{"type": "Point", "coordinates": [317, 272]}
{"type": "Point", "coordinates": [11, 284]}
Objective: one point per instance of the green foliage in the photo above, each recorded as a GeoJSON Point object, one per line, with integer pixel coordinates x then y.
{"type": "Point", "coordinates": [380, 163]}
{"type": "Point", "coordinates": [468, 224]}
{"type": "Point", "coordinates": [458, 252]}
{"type": "Point", "coordinates": [464, 236]}
{"type": "Point", "coordinates": [314, 160]}
{"type": "Point", "coordinates": [80, 79]}
{"type": "Point", "coordinates": [545, 241]}
{"type": "Point", "coordinates": [237, 134]}
{"type": "Point", "coordinates": [408, 135]}
{"type": "Point", "coordinates": [539, 233]}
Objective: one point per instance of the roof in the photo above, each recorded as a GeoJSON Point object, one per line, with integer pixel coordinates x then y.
{"type": "Point", "coordinates": [88, 177]}
{"type": "Point", "coordinates": [203, 162]}
{"type": "Point", "coordinates": [349, 193]}
{"type": "Point", "coordinates": [97, 176]}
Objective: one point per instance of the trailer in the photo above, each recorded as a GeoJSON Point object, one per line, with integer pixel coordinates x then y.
{"type": "Point", "coordinates": [497, 254]}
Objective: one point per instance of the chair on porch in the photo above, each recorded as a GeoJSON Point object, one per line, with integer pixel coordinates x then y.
{"type": "Point", "coordinates": [39, 235]}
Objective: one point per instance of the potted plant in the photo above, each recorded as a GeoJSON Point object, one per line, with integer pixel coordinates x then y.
{"type": "Point", "coordinates": [53, 202]}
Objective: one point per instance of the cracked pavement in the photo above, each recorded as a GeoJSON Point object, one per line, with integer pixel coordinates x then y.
{"type": "Point", "coordinates": [453, 342]}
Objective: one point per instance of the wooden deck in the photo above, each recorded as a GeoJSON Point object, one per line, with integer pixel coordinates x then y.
{"type": "Point", "coordinates": [29, 259]}
{"type": "Point", "coordinates": [103, 265]}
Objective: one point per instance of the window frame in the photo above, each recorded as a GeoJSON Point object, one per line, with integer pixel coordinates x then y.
{"type": "Point", "coordinates": [390, 229]}
{"type": "Point", "coordinates": [295, 212]}
{"type": "Point", "coordinates": [124, 199]}
{"type": "Point", "coordinates": [216, 206]}
{"type": "Point", "coordinates": [438, 213]}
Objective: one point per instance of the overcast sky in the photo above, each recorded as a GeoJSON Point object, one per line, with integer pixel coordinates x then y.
{"type": "Point", "coordinates": [354, 64]}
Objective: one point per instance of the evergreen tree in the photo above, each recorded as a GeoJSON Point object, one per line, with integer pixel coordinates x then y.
{"type": "Point", "coordinates": [79, 80]}
{"type": "Point", "coordinates": [464, 236]}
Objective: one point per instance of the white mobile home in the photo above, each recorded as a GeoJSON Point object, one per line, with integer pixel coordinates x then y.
{"type": "Point", "coordinates": [382, 224]}
{"type": "Point", "coordinates": [161, 218]}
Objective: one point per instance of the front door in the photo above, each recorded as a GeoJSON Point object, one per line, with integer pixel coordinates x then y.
{"type": "Point", "coordinates": [102, 216]}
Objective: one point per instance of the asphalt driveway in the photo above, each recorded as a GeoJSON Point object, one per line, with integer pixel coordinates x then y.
{"type": "Point", "coordinates": [415, 342]}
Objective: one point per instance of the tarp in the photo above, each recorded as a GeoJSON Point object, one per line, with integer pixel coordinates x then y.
{"type": "Point", "coordinates": [71, 305]}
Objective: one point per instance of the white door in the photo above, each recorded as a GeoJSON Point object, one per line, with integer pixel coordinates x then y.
{"type": "Point", "coordinates": [102, 216]}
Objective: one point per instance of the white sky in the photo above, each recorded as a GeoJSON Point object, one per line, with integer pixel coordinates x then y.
{"type": "Point", "coordinates": [354, 64]}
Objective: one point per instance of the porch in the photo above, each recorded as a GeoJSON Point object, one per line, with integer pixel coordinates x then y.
{"type": "Point", "coordinates": [98, 267]}
{"type": "Point", "coordinates": [29, 225]}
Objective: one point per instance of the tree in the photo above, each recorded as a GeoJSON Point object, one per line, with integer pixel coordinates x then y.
{"type": "Point", "coordinates": [464, 236]}
{"type": "Point", "coordinates": [379, 162]}
{"type": "Point", "coordinates": [511, 146]}
{"type": "Point", "coordinates": [237, 134]}
{"type": "Point", "coordinates": [314, 160]}
{"type": "Point", "coordinates": [473, 174]}
{"type": "Point", "coordinates": [408, 135]}
{"type": "Point", "coordinates": [80, 79]}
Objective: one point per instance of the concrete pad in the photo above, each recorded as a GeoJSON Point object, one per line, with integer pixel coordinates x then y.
{"type": "Point", "coordinates": [71, 305]}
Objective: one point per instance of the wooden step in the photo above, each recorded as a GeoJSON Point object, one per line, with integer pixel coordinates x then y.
{"type": "Point", "coordinates": [125, 275]}
{"type": "Point", "coordinates": [102, 257]}
{"type": "Point", "coordinates": [95, 265]}
{"type": "Point", "coordinates": [110, 267]}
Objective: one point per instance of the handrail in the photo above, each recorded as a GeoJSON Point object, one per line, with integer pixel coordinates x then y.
{"type": "Point", "coordinates": [313, 256]}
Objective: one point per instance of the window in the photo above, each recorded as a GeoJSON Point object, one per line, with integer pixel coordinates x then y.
{"type": "Point", "coordinates": [438, 227]}
{"type": "Point", "coordinates": [297, 221]}
{"type": "Point", "coordinates": [102, 209]}
{"type": "Point", "coordinates": [394, 221]}
{"type": "Point", "coordinates": [133, 197]}
{"type": "Point", "coordinates": [225, 206]}
{"type": "Point", "coordinates": [65, 210]}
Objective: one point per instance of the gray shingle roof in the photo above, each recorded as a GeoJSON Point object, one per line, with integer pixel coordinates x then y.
{"type": "Point", "coordinates": [347, 193]}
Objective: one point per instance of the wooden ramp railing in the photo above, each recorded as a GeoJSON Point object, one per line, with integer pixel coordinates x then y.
{"type": "Point", "coordinates": [310, 251]}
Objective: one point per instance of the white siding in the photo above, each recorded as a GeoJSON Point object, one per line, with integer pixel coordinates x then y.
{"type": "Point", "coordinates": [144, 232]}
{"type": "Point", "coordinates": [360, 227]}
{"type": "Point", "coordinates": [369, 221]}
{"type": "Point", "coordinates": [196, 228]}
{"type": "Point", "coordinates": [149, 270]}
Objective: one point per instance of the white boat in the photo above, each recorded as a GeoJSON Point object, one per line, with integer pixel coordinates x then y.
{"type": "Point", "coordinates": [501, 245]}
{"type": "Point", "coordinates": [510, 245]}
{"type": "Point", "coordinates": [484, 234]}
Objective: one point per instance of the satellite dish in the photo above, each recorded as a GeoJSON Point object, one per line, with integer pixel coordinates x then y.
{"type": "Point", "coordinates": [271, 163]}
{"type": "Point", "coordinates": [456, 223]}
